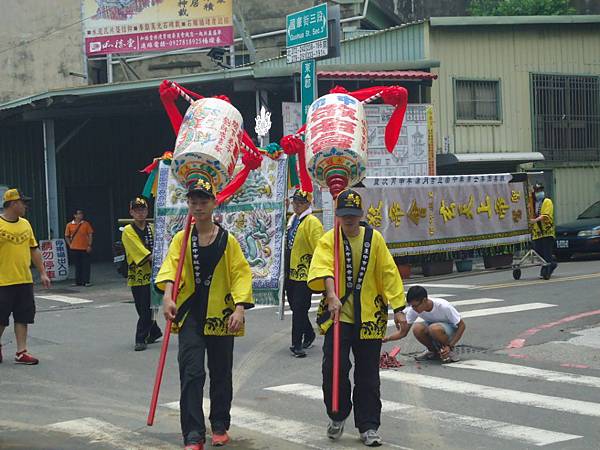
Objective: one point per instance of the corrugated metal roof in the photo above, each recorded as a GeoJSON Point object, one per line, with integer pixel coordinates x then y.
{"type": "Point", "coordinates": [511, 20]}
{"type": "Point", "coordinates": [376, 75]}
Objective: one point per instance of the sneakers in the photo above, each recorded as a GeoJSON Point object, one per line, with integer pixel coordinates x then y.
{"type": "Point", "coordinates": [308, 343]}
{"type": "Point", "coordinates": [426, 356]}
{"type": "Point", "coordinates": [219, 439]}
{"type": "Point", "coordinates": [153, 338]}
{"type": "Point", "coordinates": [194, 447]}
{"type": "Point", "coordinates": [140, 346]}
{"type": "Point", "coordinates": [25, 358]}
{"type": "Point", "coordinates": [88, 284]}
{"type": "Point", "coordinates": [451, 357]}
{"type": "Point", "coordinates": [298, 352]}
{"type": "Point", "coordinates": [335, 429]}
{"type": "Point", "coordinates": [371, 438]}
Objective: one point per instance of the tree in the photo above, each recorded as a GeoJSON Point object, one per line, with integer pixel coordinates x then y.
{"type": "Point", "coordinates": [520, 8]}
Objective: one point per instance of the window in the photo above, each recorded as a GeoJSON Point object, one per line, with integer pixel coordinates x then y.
{"type": "Point", "coordinates": [566, 116]}
{"type": "Point", "coordinates": [477, 100]}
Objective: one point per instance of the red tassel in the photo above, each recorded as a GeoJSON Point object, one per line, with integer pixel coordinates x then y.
{"type": "Point", "coordinates": [305, 180]}
{"type": "Point", "coordinates": [168, 96]}
{"type": "Point", "coordinates": [398, 97]}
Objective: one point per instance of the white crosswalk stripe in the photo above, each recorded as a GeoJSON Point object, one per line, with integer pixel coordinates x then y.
{"type": "Point", "coordinates": [64, 299]}
{"type": "Point", "coordinates": [494, 428]}
{"type": "Point", "coordinates": [529, 372]}
{"type": "Point", "coordinates": [493, 393]}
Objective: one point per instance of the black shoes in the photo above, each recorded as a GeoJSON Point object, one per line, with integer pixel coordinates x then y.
{"type": "Point", "coordinates": [308, 342]}
{"type": "Point", "coordinates": [297, 352]}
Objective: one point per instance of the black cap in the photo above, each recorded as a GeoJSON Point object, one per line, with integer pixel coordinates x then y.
{"type": "Point", "coordinates": [348, 203]}
{"type": "Point", "coordinates": [201, 186]}
{"type": "Point", "coordinates": [138, 202]}
{"type": "Point", "coordinates": [538, 187]}
{"type": "Point", "coordinates": [302, 196]}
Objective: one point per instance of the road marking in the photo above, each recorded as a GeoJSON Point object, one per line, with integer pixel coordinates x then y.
{"type": "Point", "coordinates": [282, 428]}
{"type": "Point", "coordinates": [64, 299]}
{"type": "Point", "coordinates": [529, 435]}
{"type": "Point", "coordinates": [492, 311]}
{"type": "Point", "coordinates": [473, 301]}
{"type": "Point", "coordinates": [533, 282]}
{"type": "Point", "coordinates": [448, 286]}
{"type": "Point", "coordinates": [530, 372]}
{"type": "Point", "coordinates": [99, 431]}
{"type": "Point", "coordinates": [494, 393]}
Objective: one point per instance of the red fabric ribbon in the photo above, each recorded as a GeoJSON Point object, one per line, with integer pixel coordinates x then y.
{"type": "Point", "coordinates": [293, 145]}
{"type": "Point", "coordinates": [154, 164]}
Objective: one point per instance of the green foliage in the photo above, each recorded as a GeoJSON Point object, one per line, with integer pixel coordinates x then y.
{"type": "Point", "coordinates": [520, 8]}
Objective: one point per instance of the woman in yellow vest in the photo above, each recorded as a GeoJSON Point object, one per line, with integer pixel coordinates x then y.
{"type": "Point", "coordinates": [303, 233]}
{"type": "Point", "coordinates": [216, 288]}
{"type": "Point", "coordinates": [138, 241]}
{"type": "Point", "coordinates": [369, 282]}
{"type": "Point", "coordinates": [543, 232]}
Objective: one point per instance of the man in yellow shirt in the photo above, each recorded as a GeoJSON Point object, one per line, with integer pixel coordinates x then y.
{"type": "Point", "coordinates": [544, 230]}
{"type": "Point", "coordinates": [369, 282]}
{"type": "Point", "coordinates": [18, 248]}
{"type": "Point", "coordinates": [216, 288]}
{"type": "Point", "coordinates": [138, 241]}
{"type": "Point", "coordinates": [303, 233]}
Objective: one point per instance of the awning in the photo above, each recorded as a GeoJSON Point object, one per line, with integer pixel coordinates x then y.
{"type": "Point", "coordinates": [376, 75]}
{"type": "Point", "coordinates": [465, 163]}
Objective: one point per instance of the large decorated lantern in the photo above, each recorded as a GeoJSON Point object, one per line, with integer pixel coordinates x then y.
{"type": "Point", "coordinates": [207, 143]}
{"type": "Point", "coordinates": [336, 141]}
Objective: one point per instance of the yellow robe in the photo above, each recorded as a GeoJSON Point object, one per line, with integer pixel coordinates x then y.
{"type": "Point", "coordinates": [231, 286]}
{"type": "Point", "coordinates": [138, 257]}
{"type": "Point", "coordinates": [546, 227]}
{"type": "Point", "coordinates": [308, 234]}
{"type": "Point", "coordinates": [382, 285]}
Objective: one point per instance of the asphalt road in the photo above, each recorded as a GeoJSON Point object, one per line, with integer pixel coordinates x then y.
{"type": "Point", "coordinates": [529, 375]}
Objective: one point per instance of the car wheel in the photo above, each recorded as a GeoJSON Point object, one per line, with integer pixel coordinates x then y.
{"type": "Point", "coordinates": [563, 256]}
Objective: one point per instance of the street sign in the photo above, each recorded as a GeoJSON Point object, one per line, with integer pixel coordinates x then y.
{"type": "Point", "coordinates": [306, 34]}
{"type": "Point", "coordinates": [308, 82]}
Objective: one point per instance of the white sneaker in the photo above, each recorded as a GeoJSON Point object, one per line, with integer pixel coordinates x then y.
{"type": "Point", "coordinates": [371, 438]}
{"type": "Point", "coordinates": [335, 429]}
{"type": "Point", "coordinates": [426, 356]}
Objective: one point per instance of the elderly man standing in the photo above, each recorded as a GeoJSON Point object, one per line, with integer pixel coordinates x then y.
{"type": "Point", "coordinates": [18, 248]}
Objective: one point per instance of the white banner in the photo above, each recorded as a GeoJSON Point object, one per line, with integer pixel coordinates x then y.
{"type": "Point", "coordinates": [55, 259]}
{"type": "Point", "coordinates": [419, 215]}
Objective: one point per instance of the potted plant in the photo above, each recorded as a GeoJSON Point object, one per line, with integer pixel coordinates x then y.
{"type": "Point", "coordinates": [403, 265]}
{"type": "Point", "coordinates": [498, 257]}
{"type": "Point", "coordinates": [464, 261]}
{"type": "Point", "coordinates": [437, 264]}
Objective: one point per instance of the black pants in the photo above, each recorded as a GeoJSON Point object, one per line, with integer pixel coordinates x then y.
{"type": "Point", "coordinates": [366, 394]}
{"type": "Point", "coordinates": [299, 297]}
{"type": "Point", "coordinates": [81, 260]}
{"type": "Point", "coordinates": [193, 346]}
{"type": "Point", "coordinates": [147, 329]}
{"type": "Point", "coordinates": [544, 247]}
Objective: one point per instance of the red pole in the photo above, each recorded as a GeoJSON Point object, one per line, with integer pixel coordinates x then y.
{"type": "Point", "coordinates": [165, 343]}
{"type": "Point", "coordinates": [335, 393]}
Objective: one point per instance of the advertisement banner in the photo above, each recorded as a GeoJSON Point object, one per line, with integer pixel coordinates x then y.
{"type": "Point", "coordinates": [420, 215]}
{"type": "Point", "coordinates": [255, 215]}
{"type": "Point", "coordinates": [140, 26]}
{"type": "Point", "coordinates": [55, 259]}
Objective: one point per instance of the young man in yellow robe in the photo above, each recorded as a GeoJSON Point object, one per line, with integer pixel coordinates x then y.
{"type": "Point", "coordinates": [138, 241]}
{"type": "Point", "coordinates": [303, 233]}
{"type": "Point", "coordinates": [369, 282]}
{"type": "Point", "coordinates": [216, 288]}
{"type": "Point", "coordinates": [543, 231]}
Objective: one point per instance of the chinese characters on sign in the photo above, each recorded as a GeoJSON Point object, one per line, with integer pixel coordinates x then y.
{"type": "Point", "coordinates": [155, 25]}
{"type": "Point", "coordinates": [418, 215]}
{"type": "Point", "coordinates": [306, 34]}
{"type": "Point", "coordinates": [55, 259]}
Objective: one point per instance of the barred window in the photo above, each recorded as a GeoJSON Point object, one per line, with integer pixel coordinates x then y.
{"type": "Point", "coordinates": [566, 116]}
{"type": "Point", "coordinates": [477, 100]}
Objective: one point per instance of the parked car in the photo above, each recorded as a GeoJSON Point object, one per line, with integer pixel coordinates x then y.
{"type": "Point", "coordinates": [579, 236]}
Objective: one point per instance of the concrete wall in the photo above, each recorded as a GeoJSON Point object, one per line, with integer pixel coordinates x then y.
{"type": "Point", "coordinates": [510, 54]}
{"type": "Point", "coordinates": [40, 43]}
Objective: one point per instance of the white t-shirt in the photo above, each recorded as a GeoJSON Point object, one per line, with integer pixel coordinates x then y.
{"type": "Point", "coordinates": [442, 311]}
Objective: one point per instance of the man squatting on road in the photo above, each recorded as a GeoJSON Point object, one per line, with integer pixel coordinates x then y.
{"type": "Point", "coordinates": [216, 288]}
{"type": "Point", "coordinates": [369, 281]}
{"type": "Point", "coordinates": [441, 329]}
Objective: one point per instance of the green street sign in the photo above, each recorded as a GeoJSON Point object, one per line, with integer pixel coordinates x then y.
{"type": "Point", "coordinates": [304, 27]}
{"type": "Point", "coordinates": [308, 85]}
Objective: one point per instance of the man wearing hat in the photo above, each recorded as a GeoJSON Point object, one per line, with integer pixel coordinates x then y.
{"type": "Point", "coordinates": [303, 232]}
{"type": "Point", "coordinates": [543, 231]}
{"type": "Point", "coordinates": [369, 282]}
{"type": "Point", "coordinates": [18, 248]}
{"type": "Point", "coordinates": [138, 241]}
{"type": "Point", "coordinates": [216, 288]}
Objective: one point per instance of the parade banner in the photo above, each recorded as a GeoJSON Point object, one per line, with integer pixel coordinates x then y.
{"type": "Point", "coordinates": [420, 215]}
{"type": "Point", "coordinates": [414, 154]}
{"type": "Point", "coordinates": [140, 26]}
{"type": "Point", "coordinates": [255, 215]}
{"type": "Point", "coordinates": [55, 259]}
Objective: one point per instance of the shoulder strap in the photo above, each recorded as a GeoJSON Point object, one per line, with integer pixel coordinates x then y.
{"type": "Point", "coordinates": [76, 230]}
